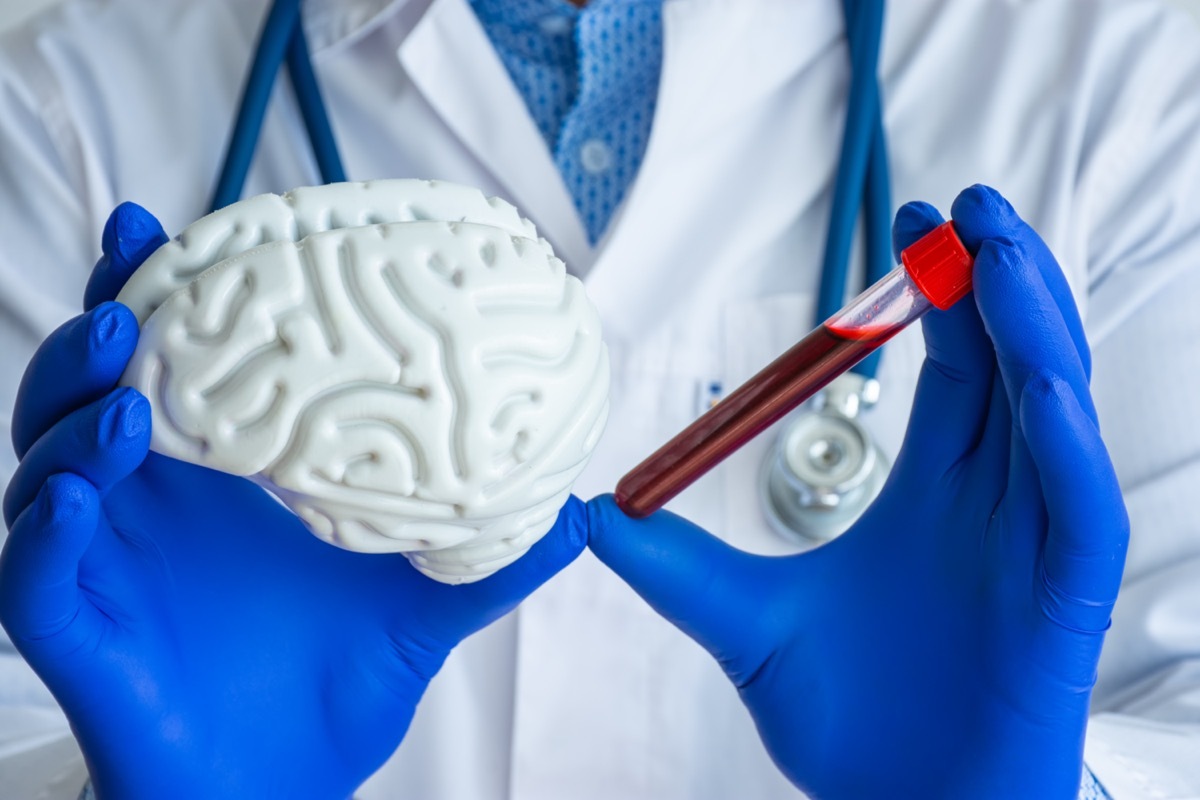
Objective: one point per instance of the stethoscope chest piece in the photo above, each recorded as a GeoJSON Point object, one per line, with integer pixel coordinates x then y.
{"type": "Point", "coordinates": [825, 468]}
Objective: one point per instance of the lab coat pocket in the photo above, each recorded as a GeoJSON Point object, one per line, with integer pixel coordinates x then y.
{"type": "Point", "coordinates": [652, 396]}
{"type": "Point", "coordinates": [755, 332]}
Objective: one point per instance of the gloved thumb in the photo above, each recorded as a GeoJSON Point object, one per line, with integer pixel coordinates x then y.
{"type": "Point", "coordinates": [718, 595]}
{"type": "Point", "coordinates": [955, 387]}
{"type": "Point", "coordinates": [467, 608]}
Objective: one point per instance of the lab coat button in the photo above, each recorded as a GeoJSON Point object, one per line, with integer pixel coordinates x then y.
{"type": "Point", "coordinates": [595, 156]}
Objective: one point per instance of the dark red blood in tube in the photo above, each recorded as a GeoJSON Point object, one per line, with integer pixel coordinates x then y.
{"type": "Point", "coordinates": [766, 398]}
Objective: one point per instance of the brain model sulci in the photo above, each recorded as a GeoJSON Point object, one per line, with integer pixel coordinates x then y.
{"type": "Point", "coordinates": [404, 364]}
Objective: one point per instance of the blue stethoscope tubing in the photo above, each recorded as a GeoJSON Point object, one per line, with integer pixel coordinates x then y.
{"type": "Point", "coordinates": [863, 178]}
{"type": "Point", "coordinates": [862, 181]}
{"type": "Point", "coordinates": [282, 37]}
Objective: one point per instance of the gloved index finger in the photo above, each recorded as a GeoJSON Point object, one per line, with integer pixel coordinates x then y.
{"type": "Point", "coordinates": [79, 362]}
{"type": "Point", "coordinates": [980, 212]}
{"type": "Point", "coordinates": [1024, 321]}
{"type": "Point", "coordinates": [131, 234]}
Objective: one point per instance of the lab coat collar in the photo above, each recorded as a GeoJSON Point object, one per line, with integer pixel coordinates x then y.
{"type": "Point", "coordinates": [450, 59]}
{"type": "Point", "coordinates": [329, 23]}
{"type": "Point", "coordinates": [702, 90]}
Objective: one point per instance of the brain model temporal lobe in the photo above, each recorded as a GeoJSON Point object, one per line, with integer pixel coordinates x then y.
{"type": "Point", "coordinates": [403, 363]}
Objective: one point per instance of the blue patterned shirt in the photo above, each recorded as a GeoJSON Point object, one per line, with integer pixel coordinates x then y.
{"type": "Point", "coordinates": [589, 77]}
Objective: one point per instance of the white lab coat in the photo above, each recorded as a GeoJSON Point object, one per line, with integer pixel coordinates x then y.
{"type": "Point", "coordinates": [1085, 114]}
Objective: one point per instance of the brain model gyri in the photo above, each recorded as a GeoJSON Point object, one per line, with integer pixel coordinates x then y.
{"type": "Point", "coordinates": [405, 364]}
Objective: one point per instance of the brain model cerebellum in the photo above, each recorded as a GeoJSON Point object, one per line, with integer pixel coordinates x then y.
{"type": "Point", "coordinates": [403, 363]}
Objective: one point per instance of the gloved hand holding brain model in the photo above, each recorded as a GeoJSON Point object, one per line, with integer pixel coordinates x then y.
{"type": "Point", "coordinates": [403, 363]}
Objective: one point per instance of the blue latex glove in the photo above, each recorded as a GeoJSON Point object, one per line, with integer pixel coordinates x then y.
{"type": "Point", "coordinates": [946, 645]}
{"type": "Point", "coordinates": [201, 641]}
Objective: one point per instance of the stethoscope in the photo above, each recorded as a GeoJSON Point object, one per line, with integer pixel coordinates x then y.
{"type": "Point", "coordinates": [825, 467]}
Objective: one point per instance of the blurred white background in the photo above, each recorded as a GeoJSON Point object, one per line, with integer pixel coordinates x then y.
{"type": "Point", "coordinates": [13, 11]}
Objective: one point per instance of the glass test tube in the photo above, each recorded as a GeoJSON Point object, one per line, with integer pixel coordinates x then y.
{"type": "Point", "coordinates": [935, 271]}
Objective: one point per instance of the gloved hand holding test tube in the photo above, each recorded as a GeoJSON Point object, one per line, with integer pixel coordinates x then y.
{"type": "Point", "coordinates": [934, 272]}
{"type": "Point", "coordinates": [946, 644]}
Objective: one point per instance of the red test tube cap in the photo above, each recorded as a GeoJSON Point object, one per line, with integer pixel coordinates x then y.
{"type": "Point", "coordinates": [939, 264]}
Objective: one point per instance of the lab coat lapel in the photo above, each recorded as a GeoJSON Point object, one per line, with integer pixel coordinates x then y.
{"type": "Point", "coordinates": [719, 57]}
{"type": "Point", "coordinates": [451, 61]}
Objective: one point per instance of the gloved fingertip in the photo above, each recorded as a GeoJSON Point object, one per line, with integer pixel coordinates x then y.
{"type": "Point", "coordinates": [980, 213]}
{"type": "Point", "coordinates": [913, 221]}
{"type": "Point", "coordinates": [124, 417]}
{"type": "Point", "coordinates": [573, 517]}
{"type": "Point", "coordinates": [607, 523]}
{"type": "Point", "coordinates": [62, 498]}
{"type": "Point", "coordinates": [561, 545]}
{"type": "Point", "coordinates": [998, 263]}
{"type": "Point", "coordinates": [131, 234]}
{"type": "Point", "coordinates": [662, 554]}
{"type": "Point", "coordinates": [65, 498]}
{"type": "Point", "coordinates": [599, 509]}
{"type": "Point", "coordinates": [110, 322]}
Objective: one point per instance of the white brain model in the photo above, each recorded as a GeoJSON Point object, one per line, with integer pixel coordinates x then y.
{"type": "Point", "coordinates": [405, 364]}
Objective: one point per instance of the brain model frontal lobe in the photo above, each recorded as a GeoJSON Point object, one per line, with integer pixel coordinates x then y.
{"type": "Point", "coordinates": [403, 363]}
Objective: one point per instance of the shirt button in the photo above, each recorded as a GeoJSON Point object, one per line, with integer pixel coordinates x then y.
{"type": "Point", "coordinates": [555, 26]}
{"type": "Point", "coordinates": [595, 156]}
